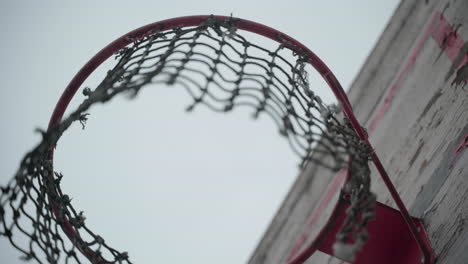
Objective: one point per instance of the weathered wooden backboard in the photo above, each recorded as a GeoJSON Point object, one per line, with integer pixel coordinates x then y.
{"type": "Point", "coordinates": [412, 97]}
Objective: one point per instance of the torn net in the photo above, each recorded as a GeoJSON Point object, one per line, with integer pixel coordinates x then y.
{"type": "Point", "coordinates": [220, 69]}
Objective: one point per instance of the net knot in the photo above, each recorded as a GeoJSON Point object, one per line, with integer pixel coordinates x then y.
{"type": "Point", "coordinates": [79, 220]}
{"type": "Point", "coordinates": [122, 256]}
{"type": "Point", "coordinates": [65, 199]}
{"type": "Point", "coordinates": [87, 91]}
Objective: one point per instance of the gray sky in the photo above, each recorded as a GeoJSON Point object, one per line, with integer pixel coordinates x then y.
{"type": "Point", "coordinates": [165, 186]}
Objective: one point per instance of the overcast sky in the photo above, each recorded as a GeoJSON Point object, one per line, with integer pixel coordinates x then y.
{"type": "Point", "coordinates": [165, 186]}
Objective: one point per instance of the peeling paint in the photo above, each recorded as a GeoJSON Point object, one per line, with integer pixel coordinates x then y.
{"type": "Point", "coordinates": [461, 77]}
{"type": "Point", "coordinates": [416, 154]}
{"type": "Point", "coordinates": [427, 195]}
{"type": "Point", "coordinates": [446, 36]}
{"type": "Point", "coordinates": [459, 150]}
{"type": "Point", "coordinates": [457, 62]}
{"type": "Point", "coordinates": [429, 104]}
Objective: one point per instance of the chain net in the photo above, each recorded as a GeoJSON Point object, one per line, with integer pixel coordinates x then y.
{"type": "Point", "coordinates": [220, 69]}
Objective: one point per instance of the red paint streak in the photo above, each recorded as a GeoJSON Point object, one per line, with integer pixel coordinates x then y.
{"type": "Point", "coordinates": [401, 75]}
{"type": "Point", "coordinates": [325, 202]}
{"type": "Point", "coordinates": [459, 150]}
{"type": "Point", "coordinates": [447, 38]}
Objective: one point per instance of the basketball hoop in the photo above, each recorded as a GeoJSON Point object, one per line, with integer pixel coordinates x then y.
{"type": "Point", "coordinates": [222, 70]}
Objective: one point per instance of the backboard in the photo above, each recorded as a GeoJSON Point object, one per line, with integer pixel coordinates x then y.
{"type": "Point", "coordinates": [411, 95]}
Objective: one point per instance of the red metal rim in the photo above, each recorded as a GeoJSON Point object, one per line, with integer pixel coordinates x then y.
{"type": "Point", "coordinates": [168, 24]}
{"type": "Point", "coordinates": [188, 21]}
